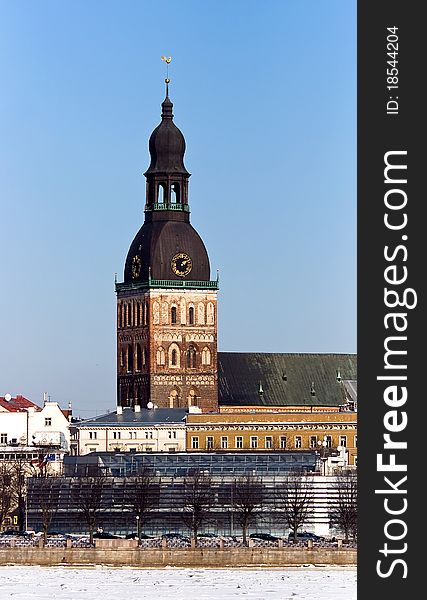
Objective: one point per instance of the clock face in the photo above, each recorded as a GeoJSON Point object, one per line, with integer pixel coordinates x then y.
{"type": "Point", "coordinates": [136, 266]}
{"type": "Point", "coordinates": [181, 264]}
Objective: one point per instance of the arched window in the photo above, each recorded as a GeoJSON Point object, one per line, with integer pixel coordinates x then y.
{"type": "Point", "coordinates": [161, 194]}
{"type": "Point", "coordinates": [138, 358]}
{"type": "Point", "coordinates": [174, 398]}
{"type": "Point", "coordinates": [160, 355]}
{"type": "Point", "coordinates": [173, 315]}
{"type": "Point", "coordinates": [191, 315]}
{"type": "Point", "coordinates": [144, 357]}
{"type": "Point", "coordinates": [201, 314]}
{"type": "Point", "coordinates": [175, 194]}
{"type": "Point", "coordinates": [191, 357]}
{"type": "Point", "coordinates": [119, 315]}
{"type": "Point", "coordinates": [210, 314]}
{"type": "Point", "coordinates": [156, 313]}
{"type": "Point", "coordinates": [174, 356]}
{"type": "Point", "coordinates": [126, 315]}
{"type": "Point", "coordinates": [129, 359]}
{"type": "Point", "coordinates": [206, 356]}
{"type": "Point", "coordinates": [192, 398]}
{"type": "Point", "coordinates": [141, 313]}
{"type": "Point", "coordinates": [122, 359]}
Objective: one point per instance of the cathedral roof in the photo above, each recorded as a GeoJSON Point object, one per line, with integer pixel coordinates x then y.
{"type": "Point", "coordinates": [273, 379]}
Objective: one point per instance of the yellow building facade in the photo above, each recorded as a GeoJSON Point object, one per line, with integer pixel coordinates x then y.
{"type": "Point", "coordinates": [259, 431]}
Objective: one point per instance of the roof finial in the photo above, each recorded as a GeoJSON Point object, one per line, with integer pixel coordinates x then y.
{"type": "Point", "coordinates": [167, 60]}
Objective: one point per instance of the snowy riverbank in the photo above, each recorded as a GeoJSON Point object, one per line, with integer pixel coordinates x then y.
{"type": "Point", "coordinates": [66, 583]}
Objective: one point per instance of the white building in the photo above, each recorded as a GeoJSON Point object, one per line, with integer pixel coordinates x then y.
{"type": "Point", "coordinates": [139, 430]}
{"type": "Point", "coordinates": [34, 432]}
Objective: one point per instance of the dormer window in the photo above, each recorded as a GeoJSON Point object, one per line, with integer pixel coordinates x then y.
{"type": "Point", "coordinates": [48, 422]}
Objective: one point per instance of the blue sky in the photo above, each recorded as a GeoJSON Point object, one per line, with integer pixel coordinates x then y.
{"type": "Point", "coordinates": [264, 93]}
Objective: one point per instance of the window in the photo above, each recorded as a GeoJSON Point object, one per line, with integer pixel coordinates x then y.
{"type": "Point", "coordinates": [254, 442]}
{"type": "Point", "coordinates": [173, 315]}
{"type": "Point", "coordinates": [224, 442]}
{"type": "Point", "coordinates": [129, 362]}
{"type": "Point", "coordinates": [92, 435]}
{"type": "Point", "coordinates": [160, 356]}
{"type": "Point", "coordinates": [172, 435]}
{"type": "Point", "coordinates": [209, 443]}
{"type": "Point", "coordinates": [173, 357]}
{"type": "Point", "coordinates": [283, 442]}
{"type": "Point", "coordinates": [191, 315]}
{"type": "Point", "coordinates": [328, 441]}
{"type": "Point", "coordinates": [313, 441]}
{"type": "Point", "coordinates": [3, 438]}
{"type": "Point", "coordinates": [268, 441]}
{"type": "Point", "coordinates": [355, 441]}
{"type": "Point", "coordinates": [138, 358]}
{"type": "Point", "coordinates": [355, 461]}
{"type": "Point", "coordinates": [210, 314]}
{"type": "Point", "coordinates": [297, 441]}
{"type": "Point", "coordinates": [132, 435]}
{"type": "Point", "coordinates": [239, 442]}
{"type": "Point", "coordinates": [191, 357]}
{"type": "Point", "coordinates": [161, 193]}
{"type": "Point", "coordinates": [148, 435]}
{"type": "Point", "coordinates": [116, 435]}
{"type": "Point", "coordinates": [195, 443]}
{"type": "Point", "coordinates": [175, 195]}
{"type": "Point", "coordinates": [343, 440]}
{"type": "Point", "coordinates": [48, 422]}
{"type": "Point", "coordinates": [206, 356]}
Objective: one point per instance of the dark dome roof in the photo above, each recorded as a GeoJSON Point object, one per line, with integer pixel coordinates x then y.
{"type": "Point", "coordinates": [157, 242]}
{"type": "Point", "coordinates": [167, 145]}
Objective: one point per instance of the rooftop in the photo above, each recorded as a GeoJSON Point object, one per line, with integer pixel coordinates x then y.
{"type": "Point", "coordinates": [153, 416]}
{"type": "Point", "coordinates": [273, 379]}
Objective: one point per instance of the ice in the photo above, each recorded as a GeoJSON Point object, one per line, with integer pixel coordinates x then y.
{"type": "Point", "coordinates": [92, 583]}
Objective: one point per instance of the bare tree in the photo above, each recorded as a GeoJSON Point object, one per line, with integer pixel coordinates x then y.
{"type": "Point", "coordinates": [143, 492]}
{"type": "Point", "coordinates": [6, 491]}
{"type": "Point", "coordinates": [198, 499]}
{"type": "Point", "coordinates": [294, 500]}
{"type": "Point", "coordinates": [21, 468]}
{"type": "Point", "coordinates": [343, 512]}
{"type": "Point", "coordinates": [88, 499]}
{"type": "Point", "coordinates": [48, 502]}
{"type": "Point", "coordinates": [247, 500]}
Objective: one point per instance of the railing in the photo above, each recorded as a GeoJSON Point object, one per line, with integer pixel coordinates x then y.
{"type": "Point", "coordinates": [168, 206]}
{"type": "Point", "coordinates": [167, 283]}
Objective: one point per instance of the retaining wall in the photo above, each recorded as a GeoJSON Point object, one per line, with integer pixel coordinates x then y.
{"type": "Point", "coordinates": [174, 557]}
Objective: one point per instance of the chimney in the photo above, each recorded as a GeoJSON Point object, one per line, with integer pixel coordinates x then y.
{"type": "Point", "coordinates": [137, 408]}
{"type": "Point", "coordinates": [45, 397]}
{"type": "Point", "coordinates": [120, 410]}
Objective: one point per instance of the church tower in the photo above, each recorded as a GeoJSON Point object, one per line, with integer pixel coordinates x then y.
{"type": "Point", "coordinates": [167, 303]}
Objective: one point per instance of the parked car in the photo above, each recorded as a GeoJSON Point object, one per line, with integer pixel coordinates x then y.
{"type": "Point", "coordinates": [142, 536]}
{"type": "Point", "coordinates": [104, 535]}
{"type": "Point", "coordinates": [267, 537]}
{"type": "Point", "coordinates": [173, 534]}
{"type": "Point", "coordinates": [303, 536]}
{"type": "Point", "coordinates": [207, 535]}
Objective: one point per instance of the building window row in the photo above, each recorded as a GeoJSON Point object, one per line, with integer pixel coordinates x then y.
{"type": "Point", "coordinates": [268, 442]}
{"type": "Point", "coordinates": [183, 314]}
{"type": "Point", "coordinates": [191, 356]}
{"type": "Point", "coordinates": [133, 313]}
{"type": "Point", "coordinates": [133, 358]}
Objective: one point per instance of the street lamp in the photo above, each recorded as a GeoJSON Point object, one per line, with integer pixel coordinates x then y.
{"type": "Point", "coordinates": [137, 529]}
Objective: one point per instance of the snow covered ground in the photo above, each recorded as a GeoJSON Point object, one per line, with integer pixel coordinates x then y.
{"type": "Point", "coordinates": [69, 583]}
